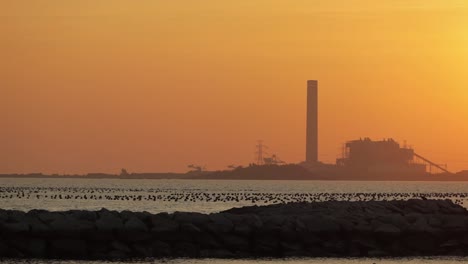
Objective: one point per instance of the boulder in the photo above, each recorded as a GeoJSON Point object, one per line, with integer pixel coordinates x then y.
{"type": "Point", "coordinates": [31, 246]}
{"type": "Point", "coordinates": [116, 255]}
{"type": "Point", "coordinates": [37, 226]}
{"type": "Point", "coordinates": [69, 249]}
{"type": "Point", "coordinates": [3, 216]}
{"type": "Point", "coordinates": [134, 224]}
{"type": "Point", "coordinates": [69, 225]}
{"type": "Point", "coordinates": [189, 228]}
{"type": "Point", "coordinates": [455, 222]}
{"type": "Point", "coordinates": [14, 228]}
{"type": "Point", "coordinates": [273, 223]}
{"type": "Point", "coordinates": [15, 216]}
{"type": "Point", "coordinates": [143, 250]}
{"type": "Point", "coordinates": [163, 225]}
{"type": "Point", "coordinates": [266, 243]}
{"type": "Point", "coordinates": [235, 242]}
{"type": "Point", "coordinates": [387, 231]}
{"type": "Point", "coordinates": [219, 224]}
{"type": "Point", "coordinates": [47, 217]}
{"type": "Point", "coordinates": [108, 221]}
{"type": "Point", "coordinates": [120, 246]}
{"type": "Point", "coordinates": [82, 215]}
{"type": "Point", "coordinates": [320, 224]}
{"type": "Point", "coordinates": [197, 219]}
{"type": "Point", "coordinates": [161, 249]}
{"type": "Point", "coordinates": [186, 250]}
{"type": "Point", "coordinates": [217, 253]}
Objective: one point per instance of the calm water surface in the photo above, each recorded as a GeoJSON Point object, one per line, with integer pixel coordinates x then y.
{"type": "Point", "coordinates": [204, 195]}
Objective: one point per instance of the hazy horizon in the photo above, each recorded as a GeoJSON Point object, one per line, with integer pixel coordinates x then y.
{"type": "Point", "coordinates": [152, 86]}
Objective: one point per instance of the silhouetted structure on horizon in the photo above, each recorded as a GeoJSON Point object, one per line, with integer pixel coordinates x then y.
{"type": "Point", "coordinates": [379, 156]}
{"type": "Point", "coordinates": [362, 156]}
{"type": "Point", "coordinates": [312, 122]}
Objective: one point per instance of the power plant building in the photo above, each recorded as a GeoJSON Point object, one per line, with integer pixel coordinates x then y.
{"type": "Point", "coordinates": [379, 156]}
{"type": "Point", "coordinates": [364, 156]}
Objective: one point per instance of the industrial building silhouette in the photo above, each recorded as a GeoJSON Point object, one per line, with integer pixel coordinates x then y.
{"type": "Point", "coordinates": [362, 156]}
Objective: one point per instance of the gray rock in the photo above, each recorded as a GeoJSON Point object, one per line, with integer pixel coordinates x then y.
{"type": "Point", "coordinates": [345, 225]}
{"type": "Point", "coordinates": [161, 249]}
{"type": "Point", "coordinates": [421, 225]}
{"type": "Point", "coordinates": [377, 253]}
{"type": "Point", "coordinates": [190, 228]}
{"type": "Point", "coordinates": [251, 220]}
{"type": "Point", "coordinates": [242, 229]}
{"type": "Point", "coordinates": [32, 247]}
{"type": "Point", "coordinates": [3, 216]}
{"type": "Point", "coordinates": [163, 225]}
{"type": "Point", "coordinates": [320, 224]}
{"type": "Point", "coordinates": [127, 215]}
{"type": "Point", "coordinates": [235, 243]}
{"type": "Point", "coordinates": [448, 207]}
{"type": "Point", "coordinates": [219, 223]}
{"type": "Point", "coordinates": [116, 255]}
{"type": "Point", "coordinates": [192, 218]}
{"type": "Point", "coordinates": [311, 239]}
{"type": "Point", "coordinates": [207, 240]}
{"type": "Point", "coordinates": [455, 222]}
{"type": "Point", "coordinates": [83, 215]}
{"type": "Point", "coordinates": [422, 206]}
{"type": "Point", "coordinates": [273, 222]}
{"type": "Point", "coordinates": [421, 243]}
{"type": "Point", "coordinates": [120, 246]}
{"type": "Point", "coordinates": [21, 227]}
{"type": "Point", "coordinates": [434, 221]}
{"type": "Point", "coordinates": [291, 246]}
{"type": "Point", "coordinates": [185, 249]}
{"type": "Point", "coordinates": [288, 231]}
{"type": "Point", "coordinates": [15, 216]}
{"type": "Point", "coordinates": [217, 253]}
{"type": "Point", "coordinates": [134, 224]}
{"type": "Point", "coordinates": [387, 230]}
{"type": "Point", "coordinates": [3, 249]}
{"type": "Point", "coordinates": [267, 247]}
{"type": "Point", "coordinates": [69, 248]}
{"type": "Point", "coordinates": [69, 224]}
{"type": "Point", "coordinates": [109, 221]}
{"type": "Point", "coordinates": [48, 217]}
{"type": "Point", "coordinates": [143, 250]}
{"type": "Point", "coordinates": [37, 226]}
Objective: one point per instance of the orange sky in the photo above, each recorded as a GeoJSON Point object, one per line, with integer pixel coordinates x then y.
{"type": "Point", "coordinates": [152, 85]}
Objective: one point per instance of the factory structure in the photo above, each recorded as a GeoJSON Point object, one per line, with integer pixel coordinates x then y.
{"type": "Point", "coordinates": [363, 156]}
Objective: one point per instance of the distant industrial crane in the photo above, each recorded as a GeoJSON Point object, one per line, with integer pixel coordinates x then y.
{"type": "Point", "coordinates": [196, 168]}
{"type": "Point", "coordinates": [273, 160]}
{"type": "Point", "coordinates": [261, 157]}
{"type": "Point", "coordinates": [232, 166]}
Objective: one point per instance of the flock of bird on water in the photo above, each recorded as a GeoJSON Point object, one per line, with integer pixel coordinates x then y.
{"type": "Point", "coordinates": [190, 195]}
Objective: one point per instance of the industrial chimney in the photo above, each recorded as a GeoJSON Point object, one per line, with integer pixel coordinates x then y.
{"type": "Point", "coordinates": [312, 122]}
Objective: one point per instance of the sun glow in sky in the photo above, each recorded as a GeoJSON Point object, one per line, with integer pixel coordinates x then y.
{"type": "Point", "coordinates": [152, 85]}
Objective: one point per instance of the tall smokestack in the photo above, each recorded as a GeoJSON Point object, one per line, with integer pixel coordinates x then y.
{"type": "Point", "coordinates": [312, 122]}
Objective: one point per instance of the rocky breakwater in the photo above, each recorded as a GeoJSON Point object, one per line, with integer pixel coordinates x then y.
{"type": "Point", "coordinates": [322, 229]}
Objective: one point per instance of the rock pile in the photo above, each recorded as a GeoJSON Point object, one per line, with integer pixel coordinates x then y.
{"type": "Point", "coordinates": [323, 229]}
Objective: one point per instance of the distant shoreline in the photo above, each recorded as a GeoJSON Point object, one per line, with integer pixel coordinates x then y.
{"type": "Point", "coordinates": [454, 178]}
{"type": "Point", "coordinates": [265, 172]}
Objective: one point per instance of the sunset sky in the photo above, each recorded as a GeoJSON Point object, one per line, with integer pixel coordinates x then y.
{"type": "Point", "coordinates": [153, 85]}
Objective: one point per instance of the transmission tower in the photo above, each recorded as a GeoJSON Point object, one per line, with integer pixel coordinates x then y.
{"type": "Point", "coordinates": [260, 152]}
